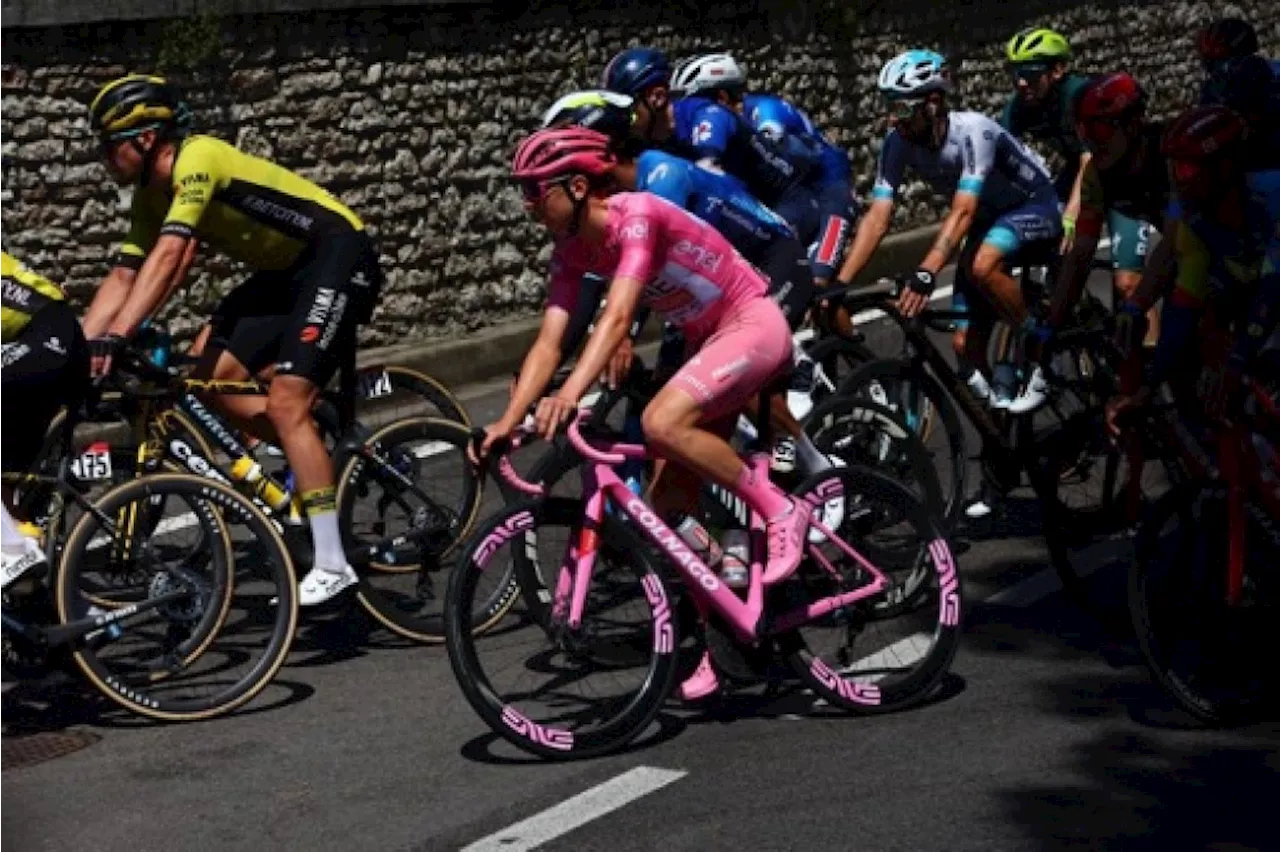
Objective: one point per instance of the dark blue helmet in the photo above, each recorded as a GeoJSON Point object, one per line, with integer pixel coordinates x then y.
{"type": "Point", "coordinates": [636, 69]}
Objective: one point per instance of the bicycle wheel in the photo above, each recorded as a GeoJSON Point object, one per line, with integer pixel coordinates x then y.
{"type": "Point", "coordinates": [877, 659]}
{"type": "Point", "coordinates": [1199, 649]}
{"type": "Point", "coordinates": [866, 433]}
{"type": "Point", "coordinates": [404, 503]}
{"type": "Point", "coordinates": [904, 386]}
{"type": "Point", "coordinates": [387, 393]}
{"type": "Point", "coordinates": [555, 692]}
{"type": "Point", "coordinates": [835, 357]}
{"type": "Point", "coordinates": [217, 622]}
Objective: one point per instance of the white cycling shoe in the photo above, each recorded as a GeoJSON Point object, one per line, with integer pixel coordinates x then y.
{"type": "Point", "coordinates": [1034, 395]}
{"type": "Point", "coordinates": [831, 513]}
{"type": "Point", "coordinates": [322, 585]}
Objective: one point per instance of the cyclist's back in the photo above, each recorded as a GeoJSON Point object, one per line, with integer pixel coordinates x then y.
{"type": "Point", "coordinates": [781, 121]}
{"type": "Point", "coordinates": [695, 276]}
{"type": "Point", "coordinates": [1051, 122]}
{"type": "Point", "coordinates": [251, 209]}
{"type": "Point", "coordinates": [977, 155]}
{"type": "Point", "coordinates": [706, 130]}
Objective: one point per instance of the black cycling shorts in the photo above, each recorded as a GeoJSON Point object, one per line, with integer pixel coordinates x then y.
{"type": "Point", "coordinates": [302, 319]}
{"type": "Point", "coordinates": [46, 368]}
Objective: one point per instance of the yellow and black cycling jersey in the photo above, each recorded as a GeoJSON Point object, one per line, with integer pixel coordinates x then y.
{"type": "Point", "coordinates": [251, 209]}
{"type": "Point", "coordinates": [25, 293]}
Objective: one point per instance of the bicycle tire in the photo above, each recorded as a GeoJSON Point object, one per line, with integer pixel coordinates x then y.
{"type": "Point", "coordinates": [892, 369]}
{"type": "Point", "coordinates": [400, 613]}
{"type": "Point", "coordinates": [882, 695]}
{"type": "Point", "coordinates": [1156, 651]}
{"type": "Point", "coordinates": [428, 388]}
{"type": "Point", "coordinates": [276, 556]}
{"type": "Point", "coordinates": [846, 409]}
{"type": "Point", "coordinates": [502, 717]}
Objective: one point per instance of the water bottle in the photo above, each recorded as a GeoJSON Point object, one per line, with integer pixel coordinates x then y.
{"type": "Point", "coordinates": [735, 567]}
{"type": "Point", "coordinates": [247, 470]}
{"type": "Point", "coordinates": [632, 470]}
{"type": "Point", "coordinates": [700, 541]}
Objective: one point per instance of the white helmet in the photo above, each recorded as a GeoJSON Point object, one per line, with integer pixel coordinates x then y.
{"type": "Point", "coordinates": [706, 73]}
{"type": "Point", "coordinates": [914, 74]}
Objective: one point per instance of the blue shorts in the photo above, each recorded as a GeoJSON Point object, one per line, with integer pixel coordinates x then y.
{"type": "Point", "coordinates": [837, 211]}
{"type": "Point", "coordinates": [1027, 234]}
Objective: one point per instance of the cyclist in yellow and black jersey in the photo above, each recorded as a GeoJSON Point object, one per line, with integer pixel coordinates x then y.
{"type": "Point", "coordinates": [45, 366]}
{"type": "Point", "coordinates": [316, 279]}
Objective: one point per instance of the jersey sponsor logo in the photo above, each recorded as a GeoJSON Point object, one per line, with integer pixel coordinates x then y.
{"type": "Point", "coordinates": [194, 178]}
{"type": "Point", "coordinates": [54, 344]}
{"type": "Point", "coordinates": [13, 353]}
{"type": "Point", "coordinates": [15, 295]}
{"type": "Point", "coordinates": [702, 132]}
{"type": "Point", "coordinates": [277, 213]}
{"type": "Point", "coordinates": [699, 256]}
{"type": "Point", "coordinates": [320, 306]}
{"type": "Point", "coordinates": [657, 173]}
{"type": "Point", "coordinates": [634, 230]}
{"type": "Point", "coordinates": [335, 321]}
{"type": "Point", "coordinates": [733, 368]}
{"type": "Point", "coordinates": [192, 196]}
{"type": "Point", "coordinates": [310, 334]}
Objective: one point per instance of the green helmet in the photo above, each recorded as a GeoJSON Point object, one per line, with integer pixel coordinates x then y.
{"type": "Point", "coordinates": [1036, 44]}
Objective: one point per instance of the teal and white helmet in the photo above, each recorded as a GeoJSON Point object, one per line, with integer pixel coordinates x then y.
{"type": "Point", "coordinates": [914, 74]}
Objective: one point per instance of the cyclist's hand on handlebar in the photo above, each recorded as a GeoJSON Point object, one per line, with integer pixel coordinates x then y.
{"type": "Point", "coordinates": [477, 451]}
{"type": "Point", "coordinates": [620, 364]}
{"type": "Point", "coordinates": [916, 292]}
{"type": "Point", "coordinates": [102, 353]}
{"type": "Point", "coordinates": [552, 413]}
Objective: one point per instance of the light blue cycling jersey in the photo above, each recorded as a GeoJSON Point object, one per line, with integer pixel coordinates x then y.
{"type": "Point", "coordinates": [787, 125]}
{"type": "Point", "coordinates": [978, 157]}
{"type": "Point", "coordinates": [719, 199]}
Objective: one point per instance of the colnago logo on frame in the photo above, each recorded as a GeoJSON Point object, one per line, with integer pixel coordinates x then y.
{"type": "Point", "coordinates": [673, 544]}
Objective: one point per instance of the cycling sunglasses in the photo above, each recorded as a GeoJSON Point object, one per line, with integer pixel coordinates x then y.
{"type": "Point", "coordinates": [903, 109]}
{"type": "Point", "coordinates": [1028, 72]}
{"type": "Point", "coordinates": [535, 190]}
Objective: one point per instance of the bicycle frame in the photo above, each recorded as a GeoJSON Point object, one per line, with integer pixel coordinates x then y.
{"type": "Point", "coordinates": [744, 618]}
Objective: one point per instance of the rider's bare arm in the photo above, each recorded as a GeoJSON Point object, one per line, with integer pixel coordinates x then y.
{"type": "Point", "coordinates": [538, 367]}
{"type": "Point", "coordinates": [165, 267]}
{"type": "Point", "coordinates": [871, 232]}
{"type": "Point", "coordinates": [110, 296]}
{"type": "Point", "coordinates": [1078, 261]}
{"type": "Point", "coordinates": [964, 206]}
{"type": "Point", "coordinates": [611, 329]}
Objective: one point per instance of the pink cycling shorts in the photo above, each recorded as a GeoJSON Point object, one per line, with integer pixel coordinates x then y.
{"type": "Point", "coordinates": [750, 347]}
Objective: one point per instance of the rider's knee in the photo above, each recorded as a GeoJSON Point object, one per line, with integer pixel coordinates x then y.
{"type": "Point", "coordinates": [986, 262]}
{"type": "Point", "coordinates": [663, 427]}
{"type": "Point", "coordinates": [288, 406]}
{"type": "Point", "coordinates": [959, 340]}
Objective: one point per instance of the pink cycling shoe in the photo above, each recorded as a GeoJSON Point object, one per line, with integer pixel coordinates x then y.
{"type": "Point", "coordinates": [703, 682]}
{"type": "Point", "coordinates": [786, 543]}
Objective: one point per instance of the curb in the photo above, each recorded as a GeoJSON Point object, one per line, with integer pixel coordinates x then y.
{"type": "Point", "coordinates": [496, 352]}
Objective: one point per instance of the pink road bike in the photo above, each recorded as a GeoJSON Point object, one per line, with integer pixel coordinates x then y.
{"type": "Point", "coordinates": [593, 677]}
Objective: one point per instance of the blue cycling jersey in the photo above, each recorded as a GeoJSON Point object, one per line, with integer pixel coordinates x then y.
{"type": "Point", "coordinates": [705, 130]}
{"type": "Point", "coordinates": [787, 125]}
{"type": "Point", "coordinates": [720, 200]}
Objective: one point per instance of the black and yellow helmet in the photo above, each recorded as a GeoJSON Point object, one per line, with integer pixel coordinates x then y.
{"type": "Point", "coordinates": [135, 103]}
{"type": "Point", "coordinates": [1037, 44]}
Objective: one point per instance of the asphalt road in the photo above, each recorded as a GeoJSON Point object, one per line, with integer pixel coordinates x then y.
{"type": "Point", "coordinates": [1048, 734]}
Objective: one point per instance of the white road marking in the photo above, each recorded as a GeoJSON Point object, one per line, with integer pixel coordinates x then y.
{"type": "Point", "coordinates": [578, 811]}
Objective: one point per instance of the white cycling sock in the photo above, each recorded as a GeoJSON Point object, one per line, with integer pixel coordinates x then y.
{"type": "Point", "coordinates": [810, 458]}
{"type": "Point", "coordinates": [328, 541]}
{"type": "Point", "coordinates": [324, 529]}
{"type": "Point", "coordinates": [10, 538]}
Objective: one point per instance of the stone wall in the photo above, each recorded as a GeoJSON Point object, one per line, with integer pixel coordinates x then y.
{"type": "Point", "coordinates": [410, 114]}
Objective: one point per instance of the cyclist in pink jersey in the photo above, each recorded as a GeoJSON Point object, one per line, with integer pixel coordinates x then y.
{"type": "Point", "coordinates": [662, 256]}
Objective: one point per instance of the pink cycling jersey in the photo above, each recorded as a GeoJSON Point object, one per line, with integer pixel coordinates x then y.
{"type": "Point", "coordinates": [692, 275]}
